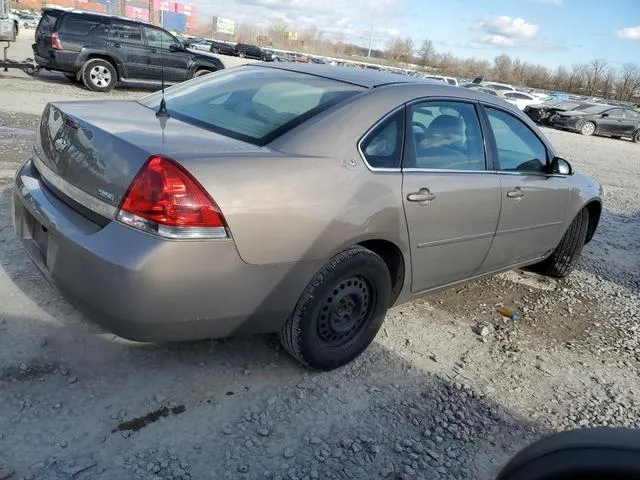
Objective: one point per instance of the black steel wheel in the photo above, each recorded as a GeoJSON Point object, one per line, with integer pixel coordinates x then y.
{"type": "Point", "coordinates": [340, 311]}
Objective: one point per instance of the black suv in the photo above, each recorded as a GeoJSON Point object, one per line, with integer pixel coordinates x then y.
{"type": "Point", "coordinates": [99, 50]}
{"type": "Point", "coordinates": [250, 51]}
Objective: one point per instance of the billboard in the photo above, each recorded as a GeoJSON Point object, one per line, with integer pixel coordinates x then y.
{"type": "Point", "coordinates": [224, 25]}
{"type": "Point", "coordinates": [176, 22]}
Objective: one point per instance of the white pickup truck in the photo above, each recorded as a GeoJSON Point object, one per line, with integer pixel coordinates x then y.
{"type": "Point", "coordinates": [9, 23]}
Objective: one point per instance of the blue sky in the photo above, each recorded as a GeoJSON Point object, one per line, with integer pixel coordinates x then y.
{"type": "Point", "coordinates": [549, 32]}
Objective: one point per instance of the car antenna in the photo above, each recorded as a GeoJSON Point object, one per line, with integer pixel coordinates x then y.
{"type": "Point", "coordinates": [162, 110]}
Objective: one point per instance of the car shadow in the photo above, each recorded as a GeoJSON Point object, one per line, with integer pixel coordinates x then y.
{"type": "Point", "coordinates": [59, 79]}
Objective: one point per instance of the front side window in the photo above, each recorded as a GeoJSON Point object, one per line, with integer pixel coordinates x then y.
{"type": "Point", "coordinates": [253, 104]}
{"type": "Point", "coordinates": [382, 147]}
{"type": "Point", "coordinates": [446, 136]}
{"type": "Point", "coordinates": [158, 38]}
{"type": "Point", "coordinates": [519, 149]}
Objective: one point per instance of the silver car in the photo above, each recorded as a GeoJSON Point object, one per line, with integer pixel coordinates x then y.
{"type": "Point", "coordinates": [299, 199]}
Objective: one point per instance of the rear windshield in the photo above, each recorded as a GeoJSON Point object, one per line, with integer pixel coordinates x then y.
{"type": "Point", "coordinates": [46, 25]}
{"type": "Point", "coordinates": [253, 104]}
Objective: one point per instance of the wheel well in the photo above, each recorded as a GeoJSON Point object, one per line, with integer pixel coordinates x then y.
{"type": "Point", "coordinates": [394, 260]}
{"type": "Point", "coordinates": [106, 58]}
{"type": "Point", "coordinates": [595, 209]}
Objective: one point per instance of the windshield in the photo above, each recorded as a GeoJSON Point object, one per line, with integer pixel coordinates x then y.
{"type": "Point", "coordinates": [596, 109]}
{"type": "Point", "coordinates": [253, 104]}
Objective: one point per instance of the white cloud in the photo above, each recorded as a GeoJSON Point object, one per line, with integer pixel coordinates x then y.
{"type": "Point", "coordinates": [630, 33]}
{"type": "Point", "coordinates": [509, 28]}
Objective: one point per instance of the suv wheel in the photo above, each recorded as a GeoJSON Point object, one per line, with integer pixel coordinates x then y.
{"type": "Point", "coordinates": [340, 310]}
{"type": "Point", "coordinates": [201, 72]}
{"type": "Point", "coordinates": [99, 75]}
{"type": "Point", "coordinates": [636, 137]}
{"type": "Point", "coordinates": [242, 54]}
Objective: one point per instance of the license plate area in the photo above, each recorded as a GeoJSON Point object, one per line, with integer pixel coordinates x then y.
{"type": "Point", "coordinates": [41, 238]}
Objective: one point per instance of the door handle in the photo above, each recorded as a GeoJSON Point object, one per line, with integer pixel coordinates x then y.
{"type": "Point", "coordinates": [423, 196]}
{"type": "Point", "coordinates": [153, 50]}
{"type": "Point", "coordinates": [515, 193]}
{"type": "Point", "coordinates": [115, 45]}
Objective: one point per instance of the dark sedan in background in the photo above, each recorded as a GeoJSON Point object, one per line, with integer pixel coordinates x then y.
{"type": "Point", "coordinates": [609, 120]}
{"type": "Point", "coordinates": [543, 113]}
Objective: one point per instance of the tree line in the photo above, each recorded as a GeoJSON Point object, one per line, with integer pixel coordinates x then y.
{"type": "Point", "coordinates": [597, 78]}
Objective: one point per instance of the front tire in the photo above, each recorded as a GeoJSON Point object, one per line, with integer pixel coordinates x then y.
{"type": "Point", "coordinates": [588, 129]}
{"type": "Point", "coordinates": [242, 54]}
{"type": "Point", "coordinates": [636, 137]}
{"type": "Point", "coordinates": [99, 75]}
{"type": "Point", "coordinates": [340, 311]}
{"type": "Point", "coordinates": [566, 255]}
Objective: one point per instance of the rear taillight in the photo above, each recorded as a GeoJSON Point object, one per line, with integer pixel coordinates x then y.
{"type": "Point", "coordinates": [164, 199]}
{"type": "Point", "coordinates": [55, 41]}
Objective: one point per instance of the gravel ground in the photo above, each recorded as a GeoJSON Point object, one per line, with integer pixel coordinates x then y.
{"type": "Point", "coordinates": [449, 389]}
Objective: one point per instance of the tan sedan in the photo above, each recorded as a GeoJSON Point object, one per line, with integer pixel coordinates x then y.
{"type": "Point", "coordinates": [299, 199]}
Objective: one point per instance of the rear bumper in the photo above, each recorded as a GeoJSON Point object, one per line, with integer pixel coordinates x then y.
{"type": "Point", "coordinates": [145, 288]}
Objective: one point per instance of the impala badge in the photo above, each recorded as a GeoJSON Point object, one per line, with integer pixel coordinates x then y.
{"type": "Point", "coordinates": [105, 194]}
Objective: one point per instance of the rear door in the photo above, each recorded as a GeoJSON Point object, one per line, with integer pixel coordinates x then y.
{"type": "Point", "coordinates": [611, 122]}
{"type": "Point", "coordinates": [631, 123]}
{"type": "Point", "coordinates": [78, 32]}
{"type": "Point", "coordinates": [534, 203]}
{"type": "Point", "coordinates": [162, 61]}
{"type": "Point", "coordinates": [129, 50]}
{"type": "Point", "coordinates": [451, 199]}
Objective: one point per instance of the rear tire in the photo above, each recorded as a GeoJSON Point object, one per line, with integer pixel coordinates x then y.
{"type": "Point", "coordinates": [636, 137]}
{"type": "Point", "coordinates": [566, 255]}
{"type": "Point", "coordinates": [242, 54]}
{"type": "Point", "coordinates": [588, 129]}
{"type": "Point", "coordinates": [201, 72]}
{"type": "Point", "coordinates": [99, 75]}
{"type": "Point", "coordinates": [340, 311]}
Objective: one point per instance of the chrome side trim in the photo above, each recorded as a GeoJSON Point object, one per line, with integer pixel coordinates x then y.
{"type": "Point", "coordinates": [366, 134]}
{"type": "Point", "coordinates": [531, 174]}
{"type": "Point", "coordinates": [446, 170]}
{"type": "Point", "coordinates": [455, 240]}
{"type": "Point", "coordinates": [530, 227]}
{"type": "Point", "coordinates": [92, 203]}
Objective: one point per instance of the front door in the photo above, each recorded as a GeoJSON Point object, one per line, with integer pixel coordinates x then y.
{"type": "Point", "coordinates": [534, 203]}
{"type": "Point", "coordinates": [174, 65]}
{"type": "Point", "coordinates": [451, 200]}
{"type": "Point", "coordinates": [126, 45]}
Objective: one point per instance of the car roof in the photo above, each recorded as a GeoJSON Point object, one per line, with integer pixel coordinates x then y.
{"type": "Point", "coordinates": [362, 77]}
{"type": "Point", "coordinates": [75, 11]}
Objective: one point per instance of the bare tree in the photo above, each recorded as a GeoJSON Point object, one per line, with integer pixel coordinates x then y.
{"type": "Point", "coordinates": [608, 83]}
{"type": "Point", "coordinates": [577, 78]}
{"type": "Point", "coordinates": [427, 53]}
{"type": "Point", "coordinates": [502, 68]}
{"type": "Point", "coordinates": [595, 71]}
{"type": "Point", "coordinates": [278, 33]}
{"type": "Point", "coordinates": [626, 80]}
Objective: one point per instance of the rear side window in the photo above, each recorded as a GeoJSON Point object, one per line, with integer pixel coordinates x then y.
{"type": "Point", "coordinates": [127, 33]}
{"type": "Point", "coordinates": [253, 104]}
{"type": "Point", "coordinates": [84, 26]}
{"type": "Point", "coordinates": [382, 147]}
{"type": "Point", "coordinates": [631, 115]}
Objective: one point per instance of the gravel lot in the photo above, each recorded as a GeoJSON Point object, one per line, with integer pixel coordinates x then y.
{"type": "Point", "coordinates": [431, 398]}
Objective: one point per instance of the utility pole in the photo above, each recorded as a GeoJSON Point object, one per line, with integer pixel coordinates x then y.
{"type": "Point", "coordinates": [370, 40]}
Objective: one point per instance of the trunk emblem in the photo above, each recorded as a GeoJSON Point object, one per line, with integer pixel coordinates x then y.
{"type": "Point", "coordinates": [105, 194]}
{"type": "Point", "coordinates": [60, 145]}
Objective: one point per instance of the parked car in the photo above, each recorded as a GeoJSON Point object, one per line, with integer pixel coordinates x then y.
{"type": "Point", "coordinates": [204, 45]}
{"type": "Point", "coordinates": [220, 221]}
{"type": "Point", "coordinates": [249, 51]}
{"type": "Point", "coordinates": [441, 78]}
{"type": "Point", "coordinates": [542, 113]}
{"type": "Point", "coordinates": [600, 120]}
{"type": "Point", "coordinates": [499, 86]}
{"type": "Point", "coordinates": [222, 48]}
{"type": "Point", "coordinates": [101, 50]}
{"type": "Point", "coordinates": [28, 20]}
{"type": "Point", "coordinates": [283, 57]}
{"type": "Point", "coordinates": [521, 99]}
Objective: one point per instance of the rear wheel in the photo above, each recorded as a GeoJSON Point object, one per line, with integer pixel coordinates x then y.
{"type": "Point", "coordinates": [340, 311]}
{"type": "Point", "coordinates": [636, 137]}
{"type": "Point", "coordinates": [99, 75]}
{"type": "Point", "coordinates": [588, 129]}
{"type": "Point", "coordinates": [242, 54]}
{"type": "Point", "coordinates": [566, 255]}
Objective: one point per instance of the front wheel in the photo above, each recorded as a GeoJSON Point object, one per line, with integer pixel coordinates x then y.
{"type": "Point", "coordinates": [566, 255]}
{"type": "Point", "coordinates": [636, 137]}
{"type": "Point", "coordinates": [242, 54]}
{"type": "Point", "coordinates": [588, 129]}
{"type": "Point", "coordinates": [99, 75]}
{"type": "Point", "coordinates": [340, 311]}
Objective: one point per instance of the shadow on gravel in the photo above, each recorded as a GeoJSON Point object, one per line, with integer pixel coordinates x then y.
{"type": "Point", "coordinates": [614, 252]}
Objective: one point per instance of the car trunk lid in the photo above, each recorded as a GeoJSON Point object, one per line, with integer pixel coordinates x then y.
{"type": "Point", "coordinates": [90, 152]}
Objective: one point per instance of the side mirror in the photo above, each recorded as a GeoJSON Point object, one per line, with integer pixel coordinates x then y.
{"type": "Point", "coordinates": [560, 166]}
{"type": "Point", "coordinates": [605, 115]}
{"type": "Point", "coordinates": [174, 47]}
